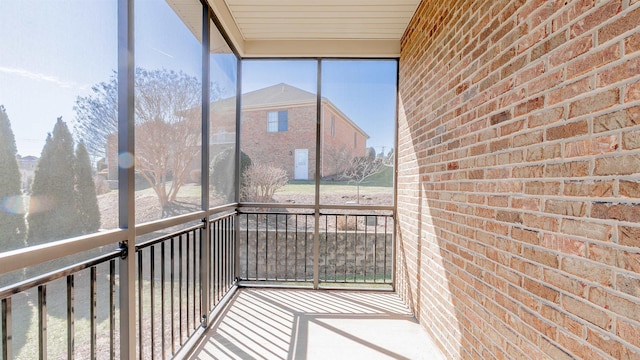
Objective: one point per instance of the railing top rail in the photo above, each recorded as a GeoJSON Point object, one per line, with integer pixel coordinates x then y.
{"type": "Point", "coordinates": [353, 214]}
{"type": "Point", "coordinates": [311, 206]}
{"type": "Point", "coordinates": [223, 216]}
{"type": "Point", "coordinates": [167, 237]}
{"type": "Point", "coordinates": [160, 224]}
{"type": "Point", "coordinates": [57, 274]}
{"type": "Point", "coordinates": [34, 255]}
{"type": "Point", "coordinates": [217, 209]}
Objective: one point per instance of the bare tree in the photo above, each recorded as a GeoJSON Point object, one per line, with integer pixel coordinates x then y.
{"type": "Point", "coordinates": [168, 125]}
{"type": "Point", "coordinates": [339, 159]}
{"type": "Point", "coordinates": [167, 117]}
{"type": "Point", "coordinates": [362, 168]}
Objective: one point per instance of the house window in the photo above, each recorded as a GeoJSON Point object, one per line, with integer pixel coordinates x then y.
{"type": "Point", "coordinates": [355, 140]}
{"type": "Point", "coordinates": [277, 121]}
{"type": "Point", "coordinates": [333, 125]}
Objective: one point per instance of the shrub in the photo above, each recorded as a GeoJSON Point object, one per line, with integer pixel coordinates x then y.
{"type": "Point", "coordinates": [260, 182]}
{"type": "Point", "coordinates": [223, 174]}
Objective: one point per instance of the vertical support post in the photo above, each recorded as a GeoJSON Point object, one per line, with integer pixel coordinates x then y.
{"type": "Point", "coordinates": [206, 124]}
{"type": "Point", "coordinates": [238, 180]}
{"type": "Point", "coordinates": [395, 188]}
{"type": "Point", "coordinates": [316, 231]}
{"type": "Point", "coordinates": [126, 179]}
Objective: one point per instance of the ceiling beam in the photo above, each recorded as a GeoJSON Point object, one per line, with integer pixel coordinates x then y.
{"type": "Point", "coordinates": [322, 48]}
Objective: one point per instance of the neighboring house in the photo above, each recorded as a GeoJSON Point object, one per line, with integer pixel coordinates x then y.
{"type": "Point", "coordinates": [27, 166]}
{"type": "Point", "coordinates": [278, 128]}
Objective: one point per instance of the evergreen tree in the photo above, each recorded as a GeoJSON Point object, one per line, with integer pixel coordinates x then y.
{"type": "Point", "coordinates": [52, 207]}
{"type": "Point", "coordinates": [12, 225]}
{"type": "Point", "coordinates": [86, 198]}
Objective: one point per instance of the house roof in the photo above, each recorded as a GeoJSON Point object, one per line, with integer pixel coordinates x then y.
{"type": "Point", "coordinates": [279, 95]}
{"type": "Point", "coordinates": [275, 95]}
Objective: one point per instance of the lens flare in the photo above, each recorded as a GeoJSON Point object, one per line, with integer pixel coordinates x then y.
{"type": "Point", "coordinates": [12, 205]}
{"type": "Point", "coordinates": [125, 160]}
{"type": "Point", "coordinates": [39, 204]}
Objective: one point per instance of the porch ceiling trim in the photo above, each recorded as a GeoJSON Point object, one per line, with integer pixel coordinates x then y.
{"type": "Point", "coordinates": [315, 28]}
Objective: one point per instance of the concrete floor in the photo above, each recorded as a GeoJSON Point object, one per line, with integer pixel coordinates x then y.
{"type": "Point", "coordinates": [305, 324]}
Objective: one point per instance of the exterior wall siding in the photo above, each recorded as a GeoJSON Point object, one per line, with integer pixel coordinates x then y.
{"type": "Point", "coordinates": [519, 177]}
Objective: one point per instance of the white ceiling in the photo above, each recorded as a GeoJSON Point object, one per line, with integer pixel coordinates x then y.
{"type": "Point", "coordinates": [301, 28]}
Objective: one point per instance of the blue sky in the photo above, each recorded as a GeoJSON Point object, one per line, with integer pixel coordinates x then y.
{"type": "Point", "coordinates": [55, 50]}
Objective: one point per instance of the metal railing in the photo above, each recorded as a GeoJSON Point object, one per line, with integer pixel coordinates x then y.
{"type": "Point", "coordinates": [169, 309]}
{"type": "Point", "coordinates": [186, 276]}
{"type": "Point", "coordinates": [353, 247]}
{"type": "Point", "coordinates": [82, 320]}
{"type": "Point", "coordinates": [33, 296]}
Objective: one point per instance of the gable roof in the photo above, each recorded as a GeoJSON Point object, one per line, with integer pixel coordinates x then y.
{"type": "Point", "coordinates": [279, 95]}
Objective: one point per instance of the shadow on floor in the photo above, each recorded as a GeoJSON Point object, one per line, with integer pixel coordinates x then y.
{"type": "Point", "coordinates": [306, 324]}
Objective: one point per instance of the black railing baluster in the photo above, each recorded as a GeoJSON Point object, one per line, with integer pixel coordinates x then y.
{"type": "Point", "coordinates": [346, 222]}
{"type": "Point", "coordinates": [375, 250]}
{"type": "Point", "coordinates": [364, 264]}
{"type": "Point", "coordinates": [326, 245]}
{"type": "Point", "coordinates": [296, 252]}
{"type": "Point", "coordinates": [335, 266]}
{"type": "Point", "coordinates": [162, 299]}
{"type": "Point", "coordinates": [70, 319]}
{"type": "Point", "coordinates": [276, 259]}
{"type": "Point", "coordinates": [152, 280]}
{"type": "Point", "coordinates": [187, 282]}
{"type": "Point", "coordinates": [7, 329]}
{"type": "Point", "coordinates": [173, 310]}
{"type": "Point", "coordinates": [42, 321]}
{"type": "Point", "coordinates": [93, 299]}
{"type": "Point", "coordinates": [306, 233]}
{"type": "Point", "coordinates": [112, 309]}
{"type": "Point", "coordinates": [140, 303]}
{"type": "Point", "coordinates": [257, 244]}
{"type": "Point", "coordinates": [180, 245]}
{"type": "Point", "coordinates": [384, 275]}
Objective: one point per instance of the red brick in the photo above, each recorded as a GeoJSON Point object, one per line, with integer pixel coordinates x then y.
{"type": "Point", "coordinates": [587, 312]}
{"type": "Point", "coordinates": [632, 43]}
{"type": "Point", "coordinates": [610, 346]}
{"type": "Point", "coordinates": [619, 73]}
{"type": "Point", "coordinates": [547, 46]}
{"type": "Point", "coordinates": [568, 130]}
{"type": "Point", "coordinates": [628, 21]}
{"type": "Point", "coordinates": [617, 165]}
{"type": "Point", "coordinates": [566, 208]}
{"type": "Point", "coordinates": [588, 188]}
{"type": "Point", "coordinates": [629, 236]}
{"type": "Point", "coordinates": [592, 61]}
{"type": "Point", "coordinates": [632, 92]}
{"type": "Point", "coordinates": [628, 284]}
{"type": "Point", "coordinates": [592, 146]}
{"type": "Point", "coordinates": [569, 91]}
{"type": "Point", "coordinates": [594, 103]}
{"type": "Point", "coordinates": [571, 50]}
{"type": "Point", "coordinates": [545, 117]}
{"type": "Point", "coordinates": [596, 17]}
{"type": "Point", "coordinates": [628, 332]}
{"type": "Point", "coordinates": [617, 120]}
{"type": "Point", "coordinates": [544, 83]}
{"type": "Point", "coordinates": [629, 188]}
{"type": "Point", "coordinates": [567, 169]}
{"type": "Point", "coordinates": [585, 229]}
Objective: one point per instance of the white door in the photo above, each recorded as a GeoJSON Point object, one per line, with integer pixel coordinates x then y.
{"type": "Point", "coordinates": [301, 171]}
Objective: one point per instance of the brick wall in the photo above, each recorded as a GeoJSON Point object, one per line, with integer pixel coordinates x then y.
{"type": "Point", "coordinates": [278, 148]}
{"type": "Point", "coordinates": [519, 177]}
